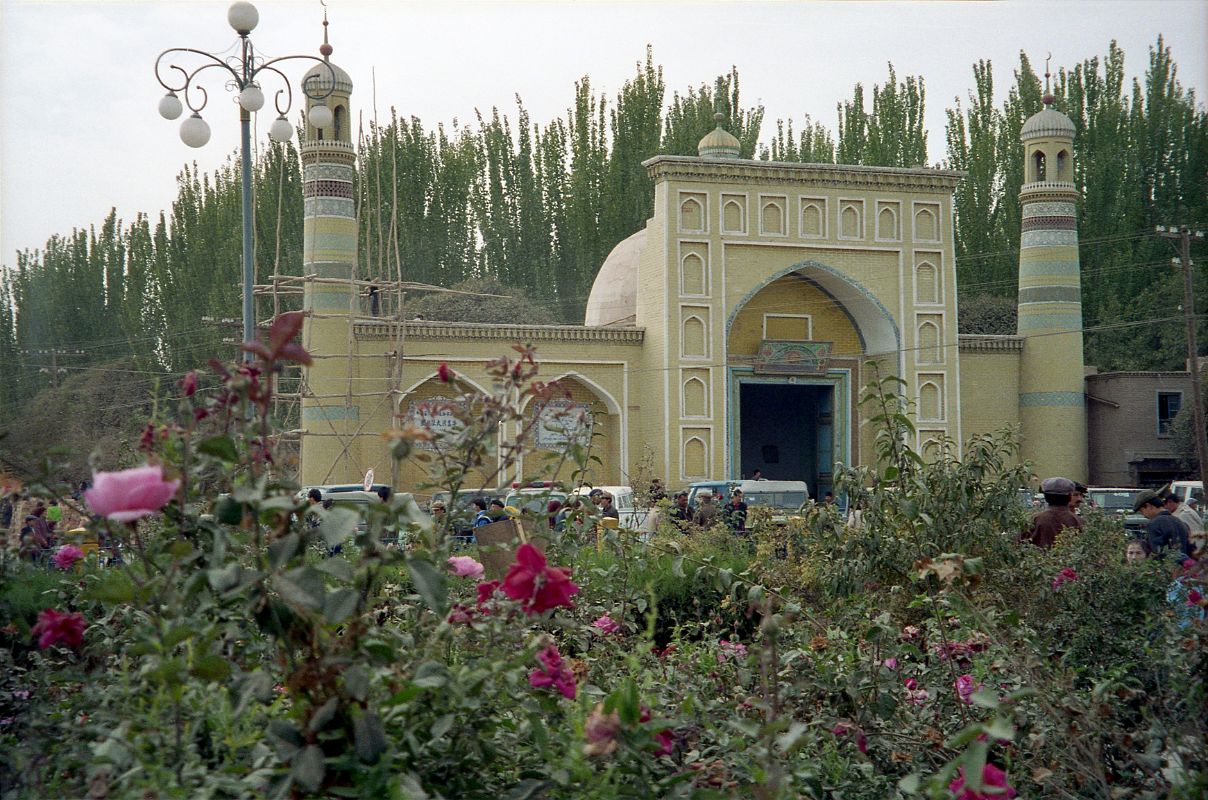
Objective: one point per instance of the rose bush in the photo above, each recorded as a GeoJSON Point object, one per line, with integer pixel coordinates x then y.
{"type": "Point", "coordinates": [242, 650]}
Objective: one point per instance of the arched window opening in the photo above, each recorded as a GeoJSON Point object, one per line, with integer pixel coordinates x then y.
{"type": "Point", "coordinates": [1038, 166]}
{"type": "Point", "coordinates": [339, 122]}
{"type": "Point", "coordinates": [1063, 166]}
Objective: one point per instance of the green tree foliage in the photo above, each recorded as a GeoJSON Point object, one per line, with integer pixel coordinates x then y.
{"type": "Point", "coordinates": [893, 134]}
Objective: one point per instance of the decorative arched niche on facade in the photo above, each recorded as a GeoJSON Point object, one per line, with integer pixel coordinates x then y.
{"type": "Point", "coordinates": [579, 415]}
{"type": "Point", "coordinates": [692, 215]}
{"type": "Point", "coordinates": [887, 224]}
{"type": "Point", "coordinates": [695, 458]}
{"type": "Point", "coordinates": [439, 407]}
{"type": "Point", "coordinates": [926, 283]}
{"type": "Point", "coordinates": [931, 401]}
{"type": "Point", "coordinates": [692, 272]}
{"type": "Point", "coordinates": [929, 343]}
{"type": "Point", "coordinates": [926, 224]}
{"type": "Point", "coordinates": [841, 311]}
{"type": "Point", "coordinates": [813, 218]}
{"type": "Point", "coordinates": [734, 217]}
{"type": "Point", "coordinates": [696, 398]}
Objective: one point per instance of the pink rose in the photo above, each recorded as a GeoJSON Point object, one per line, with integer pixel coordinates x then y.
{"type": "Point", "coordinates": [890, 663]}
{"type": "Point", "coordinates": [54, 628]}
{"type": "Point", "coordinates": [1188, 563]}
{"type": "Point", "coordinates": [130, 494]}
{"type": "Point", "coordinates": [553, 673]}
{"type": "Point", "coordinates": [538, 586]}
{"type": "Point", "coordinates": [67, 556]}
{"type": "Point", "coordinates": [851, 729]}
{"type": "Point", "coordinates": [993, 779]}
{"type": "Point", "coordinates": [465, 567]}
{"type": "Point", "coordinates": [188, 384]}
{"type": "Point", "coordinates": [486, 590]}
{"type": "Point", "coordinates": [734, 650]}
{"type": "Point", "coordinates": [607, 625]}
{"type": "Point", "coordinates": [965, 687]}
{"type": "Point", "coordinates": [600, 730]}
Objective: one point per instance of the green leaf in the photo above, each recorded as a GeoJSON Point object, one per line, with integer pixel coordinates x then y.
{"type": "Point", "coordinates": [527, 789]}
{"type": "Point", "coordinates": [302, 586]}
{"type": "Point", "coordinates": [324, 714]}
{"type": "Point", "coordinates": [999, 728]}
{"type": "Point", "coordinates": [228, 510]}
{"type": "Point", "coordinates": [211, 667]}
{"type": "Point", "coordinates": [791, 739]}
{"type": "Point", "coordinates": [114, 588]}
{"type": "Point", "coordinates": [430, 675]}
{"type": "Point", "coordinates": [356, 682]}
{"type": "Point", "coordinates": [309, 769]}
{"type": "Point", "coordinates": [430, 584]}
{"type": "Point", "coordinates": [442, 725]}
{"type": "Point", "coordinates": [369, 736]}
{"type": "Point", "coordinates": [177, 635]}
{"type": "Point", "coordinates": [336, 567]}
{"type": "Point", "coordinates": [285, 738]}
{"type": "Point", "coordinates": [224, 578]}
{"type": "Point", "coordinates": [220, 447]}
{"type": "Point", "coordinates": [281, 550]}
{"type": "Point", "coordinates": [909, 784]}
{"type": "Point", "coordinates": [337, 525]}
{"type": "Point", "coordinates": [341, 604]}
{"type": "Point", "coordinates": [974, 761]}
{"type": "Point", "coordinates": [984, 698]}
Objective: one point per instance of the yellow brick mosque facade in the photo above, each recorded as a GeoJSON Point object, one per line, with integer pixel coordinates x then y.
{"type": "Point", "coordinates": [734, 332]}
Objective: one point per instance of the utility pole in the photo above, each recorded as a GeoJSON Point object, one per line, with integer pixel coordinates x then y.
{"type": "Point", "coordinates": [53, 353]}
{"type": "Point", "coordinates": [1184, 235]}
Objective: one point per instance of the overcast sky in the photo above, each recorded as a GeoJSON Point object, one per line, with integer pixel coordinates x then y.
{"type": "Point", "coordinates": [79, 132]}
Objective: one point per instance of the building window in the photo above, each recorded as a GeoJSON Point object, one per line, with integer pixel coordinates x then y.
{"type": "Point", "coordinates": [1169, 404]}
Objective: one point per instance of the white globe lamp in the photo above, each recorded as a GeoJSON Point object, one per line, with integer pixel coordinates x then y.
{"type": "Point", "coordinates": [281, 130]}
{"type": "Point", "coordinates": [170, 106]}
{"type": "Point", "coordinates": [195, 131]}
{"type": "Point", "coordinates": [251, 98]}
{"type": "Point", "coordinates": [243, 17]}
{"type": "Point", "coordinates": [319, 116]}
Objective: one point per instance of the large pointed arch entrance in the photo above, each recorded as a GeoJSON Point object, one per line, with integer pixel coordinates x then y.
{"type": "Point", "coordinates": [794, 352]}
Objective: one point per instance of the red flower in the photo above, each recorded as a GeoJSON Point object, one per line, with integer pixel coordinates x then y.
{"type": "Point", "coordinates": [1067, 575]}
{"type": "Point", "coordinates": [1194, 597]}
{"type": "Point", "coordinates": [56, 628]}
{"type": "Point", "coordinates": [444, 373]}
{"type": "Point", "coordinates": [664, 739]}
{"type": "Point", "coordinates": [535, 585]}
{"type": "Point", "coordinates": [486, 590]}
{"type": "Point", "coordinates": [188, 384]}
{"type": "Point", "coordinates": [848, 728]}
{"type": "Point", "coordinates": [553, 673]}
{"type": "Point", "coordinates": [281, 346]}
{"type": "Point", "coordinates": [993, 778]}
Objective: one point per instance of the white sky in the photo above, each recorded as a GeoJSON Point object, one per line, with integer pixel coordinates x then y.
{"type": "Point", "coordinates": [79, 132]}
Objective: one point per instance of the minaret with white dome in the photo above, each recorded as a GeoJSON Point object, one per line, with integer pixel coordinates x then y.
{"type": "Point", "coordinates": [1052, 404]}
{"type": "Point", "coordinates": [329, 242]}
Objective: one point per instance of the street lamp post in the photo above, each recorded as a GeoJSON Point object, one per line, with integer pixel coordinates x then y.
{"type": "Point", "coordinates": [242, 72]}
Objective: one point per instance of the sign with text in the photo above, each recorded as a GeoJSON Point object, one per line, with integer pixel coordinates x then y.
{"type": "Point", "coordinates": [436, 414]}
{"type": "Point", "coordinates": [562, 422]}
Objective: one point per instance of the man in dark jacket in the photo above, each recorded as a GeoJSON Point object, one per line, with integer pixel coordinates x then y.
{"type": "Point", "coordinates": [1163, 531]}
{"type": "Point", "coordinates": [1057, 517]}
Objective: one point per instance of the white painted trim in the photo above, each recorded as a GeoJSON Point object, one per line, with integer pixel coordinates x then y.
{"type": "Point", "coordinates": [744, 206]}
{"type": "Point", "coordinates": [940, 381]}
{"type": "Point", "coordinates": [863, 219]}
{"type": "Point", "coordinates": [894, 207]}
{"type": "Point", "coordinates": [667, 239]}
{"type": "Point", "coordinates": [725, 351]}
{"type": "Point", "coordinates": [923, 434]}
{"type": "Point", "coordinates": [708, 283]}
{"type": "Point", "coordinates": [704, 211]}
{"type": "Point", "coordinates": [706, 384]}
{"type": "Point", "coordinates": [955, 392]}
{"type": "Point", "coordinates": [931, 205]}
{"type": "Point", "coordinates": [784, 214]}
{"type": "Point", "coordinates": [941, 345]}
{"type": "Point", "coordinates": [820, 202]}
{"type": "Point", "coordinates": [938, 264]}
{"type": "Point", "coordinates": [683, 448]}
{"type": "Point", "coordinates": [458, 377]}
{"type": "Point", "coordinates": [809, 323]}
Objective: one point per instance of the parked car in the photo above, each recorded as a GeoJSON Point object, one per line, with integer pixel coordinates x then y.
{"type": "Point", "coordinates": [1114, 500]}
{"type": "Point", "coordinates": [535, 498]}
{"type": "Point", "coordinates": [1188, 490]}
{"type": "Point", "coordinates": [785, 496]}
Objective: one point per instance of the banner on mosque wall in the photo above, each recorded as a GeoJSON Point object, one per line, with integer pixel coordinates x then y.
{"type": "Point", "coordinates": [792, 358]}
{"type": "Point", "coordinates": [562, 422]}
{"type": "Point", "coordinates": [436, 414]}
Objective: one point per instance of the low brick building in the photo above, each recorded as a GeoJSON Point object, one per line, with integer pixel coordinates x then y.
{"type": "Point", "coordinates": [1129, 415]}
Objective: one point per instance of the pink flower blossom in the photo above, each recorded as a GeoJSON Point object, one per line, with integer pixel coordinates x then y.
{"type": "Point", "coordinates": [460, 614]}
{"type": "Point", "coordinates": [54, 628]}
{"type": "Point", "coordinates": [130, 494]}
{"type": "Point", "coordinates": [993, 779]}
{"type": "Point", "coordinates": [890, 663]}
{"type": "Point", "coordinates": [600, 730]}
{"type": "Point", "coordinates": [1188, 563]}
{"type": "Point", "coordinates": [664, 739]}
{"type": "Point", "coordinates": [1067, 575]}
{"type": "Point", "coordinates": [918, 697]}
{"type": "Point", "coordinates": [728, 650]}
{"type": "Point", "coordinates": [607, 625]}
{"type": "Point", "coordinates": [536, 585]}
{"type": "Point", "coordinates": [910, 633]}
{"type": "Point", "coordinates": [553, 673]}
{"type": "Point", "coordinates": [851, 729]}
{"type": "Point", "coordinates": [965, 687]}
{"type": "Point", "coordinates": [465, 567]}
{"type": "Point", "coordinates": [67, 556]}
{"type": "Point", "coordinates": [188, 384]}
{"type": "Point", "coordinates": [911, 684]}
{"type": "Point", "coordinates": [444, 373]}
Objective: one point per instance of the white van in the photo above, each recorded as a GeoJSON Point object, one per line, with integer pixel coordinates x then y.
{"type": "Point", "coordinates": [786, 496]}
{"type": "Point", "coordinates": [1189, 489]}
{"type": "Point", "coordinates": [623, 501]}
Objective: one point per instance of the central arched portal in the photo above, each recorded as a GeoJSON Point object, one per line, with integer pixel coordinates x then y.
{"type": "Point", "coordinates": [794, 348]}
